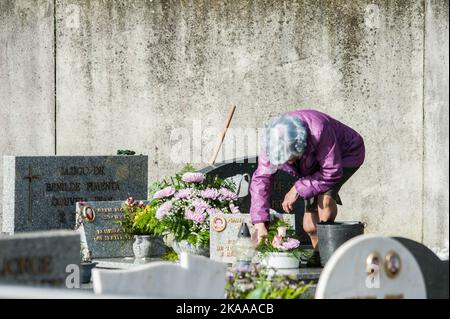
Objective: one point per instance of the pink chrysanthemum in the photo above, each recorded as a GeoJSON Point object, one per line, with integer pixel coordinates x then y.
{"type": "Point", "coordinates": [164, 210]}
{"type": "Point", "coordinates": [290, 244]}
{"type": "Point", "coordinates": [197, 218]}
{"type": "Point", "coordinates": [200, 205]}
{"type": "Point", "coordinates": [183, 193]}
{"type": "Point", "coordinates": [165, 192]}
{"type": "Point", "coordinates": [227, 194]}
{"type": "Point", "coordinates": [193, 177]}
{"type": "Point", "coordinates": [210, 193]}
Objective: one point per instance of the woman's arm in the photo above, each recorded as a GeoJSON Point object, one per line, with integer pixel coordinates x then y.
{"type": "Point", "coordinates": [260, 190]}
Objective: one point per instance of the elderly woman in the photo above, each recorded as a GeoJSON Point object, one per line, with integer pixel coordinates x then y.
{"type": "Point", "coordinates": [321, 152]}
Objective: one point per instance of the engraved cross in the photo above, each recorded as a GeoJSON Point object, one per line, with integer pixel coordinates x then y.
{"type": "Point", "coordinates": [30, 179]}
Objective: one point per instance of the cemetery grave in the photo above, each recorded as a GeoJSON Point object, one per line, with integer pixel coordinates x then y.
{"type": "Point", "coordinates": [40, 258]}
{"type": "Point", "coordinates": [40, 192]}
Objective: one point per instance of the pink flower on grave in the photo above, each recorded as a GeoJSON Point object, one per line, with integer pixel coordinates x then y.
{"type": "Point", "coordinates": [282, 231]}
{"type": "Point", "coordinates": [193, 177]}
{"type": "Point", "coordinates": [200, 205]}
{"type": "Point", "coordinates": [234, 209]}
{"type": "Point", "coordinates": [227, 194]}
{"type": "Point", "coordinates": [183, 193]}
{"type": "Point", "coordinates": [210, 193]}
{"type": "Point", "coordinates": [164, 210]}
{"type": "Point", "coordinates": [130, 201]}
{"type": "Point", "coordinates": [165, 192]}
{"type": "Point", "coordinates": [141, 204]}
{"type": "Point", "coordinates": [197, 218]}
{"type": "Point", "coordinates": [290, 244]}
{"type": "Point", "coordinates": [277, 242]}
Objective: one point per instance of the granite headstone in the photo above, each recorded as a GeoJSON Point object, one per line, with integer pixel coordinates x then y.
{"type": "Point", "coordinates": [40, 192]}
{"type": "Point", "coordinates": [38, 258]}
{"type": "Point", "coordinates": [434, 270]}
{"type": "Point", "coordinates": [101, 233]}
{"type": "Point", "coordinates": [282, 183]}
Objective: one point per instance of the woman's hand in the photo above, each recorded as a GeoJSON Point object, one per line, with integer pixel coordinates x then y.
{"type": "Point", "coordinates": [289, 200]}
{"type": "Point", "coordinates": [259, 233]}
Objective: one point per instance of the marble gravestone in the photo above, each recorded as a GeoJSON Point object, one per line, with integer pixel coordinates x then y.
{"type": "Point", "coordinates": [40, 192]}
{"type": "Point", "coordinates": [371, 267]}
{"type": "Point", "coordinates": [281, 185]}
{"type": "Point", "coordinates": [101, 233]}
{"type": "Point", "coordinates": [194, 277]}
{"type": "Point", "coordinates": [38, 258]}
{"type": "Point", "coordinates": [224, 229]}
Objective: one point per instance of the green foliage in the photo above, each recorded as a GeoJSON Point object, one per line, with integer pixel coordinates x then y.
{"type": "Point", "coordinates": [256, 284]}
{"type": "Point", "coordinates": [170, 255]}
{"type": "Point", "coordinates": [140, 220]}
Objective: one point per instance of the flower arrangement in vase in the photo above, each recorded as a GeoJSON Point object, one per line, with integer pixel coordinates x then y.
{"type": "Point", "coordinates": [280, 249]}
{"type": "Point", "coordinates": [184, 205]}
{"type": "Point", "coordinates": [139, 220]}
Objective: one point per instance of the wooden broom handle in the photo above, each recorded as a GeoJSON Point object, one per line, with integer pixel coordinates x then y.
{"type": "Point", "coordinates": [222, 134]}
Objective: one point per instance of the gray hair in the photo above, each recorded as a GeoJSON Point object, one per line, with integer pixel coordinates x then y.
{"type": "Point", "coordinates": [284, 136]}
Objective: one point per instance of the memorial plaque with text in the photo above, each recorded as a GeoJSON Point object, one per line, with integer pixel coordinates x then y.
{"type": "Point", "coordinates": [40, 192]}
{"type": "Point", "coordinates": [39, 258]}
{"type": "Point", "coordinates": [224, 233]}
{"type": "Point", "coordinates": [102, 234]}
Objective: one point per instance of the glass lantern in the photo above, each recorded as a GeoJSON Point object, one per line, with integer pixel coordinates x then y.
{"type": "Point", "coordinates": [244, 249]}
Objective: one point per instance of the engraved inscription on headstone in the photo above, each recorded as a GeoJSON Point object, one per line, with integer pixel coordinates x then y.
{"type": "Point", "coordinates": [40, 192]}
{"type": "Point", "coordinates": [38, 258]}
{"type": "Point", "coordinates": [102, 234]}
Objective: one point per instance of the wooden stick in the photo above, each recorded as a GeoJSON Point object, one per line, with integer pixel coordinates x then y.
{"type": "Point", "coordinates": [222, 134]}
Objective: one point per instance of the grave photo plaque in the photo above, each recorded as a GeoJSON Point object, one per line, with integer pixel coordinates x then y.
{"type": "Point", "coordinates": [224, 233]}
{"type": "Point", "coordinates": [40, 192]}
{"type": "Point", "coordinates": [102, 234]}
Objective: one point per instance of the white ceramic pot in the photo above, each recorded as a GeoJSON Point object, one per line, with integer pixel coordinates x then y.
{"type": "Point", "coordinates": [280, 261]}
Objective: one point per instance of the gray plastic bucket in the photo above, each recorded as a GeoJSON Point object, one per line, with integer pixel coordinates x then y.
{"type": "Point", "coordinates": [331, 235]}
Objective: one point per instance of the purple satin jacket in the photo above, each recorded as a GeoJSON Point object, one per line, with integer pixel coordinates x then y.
{"type": "Point", "coordinates": [331, 145]}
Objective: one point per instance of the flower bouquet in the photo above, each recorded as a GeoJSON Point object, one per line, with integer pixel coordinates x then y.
{"type": "Point", "coordinates": [139, 220]}
{"type": "Point", "coordinates": [184, 205]}
{"type": "Point", "coordinates": [279, 249]}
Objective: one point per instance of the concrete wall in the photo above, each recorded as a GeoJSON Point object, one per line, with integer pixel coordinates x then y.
{"type": "Point", "coordinates": [26, 79]}
{"type": "Point", "coordinates": [436, 127]}
{"type": "Point", "coordinates": [129, 72]}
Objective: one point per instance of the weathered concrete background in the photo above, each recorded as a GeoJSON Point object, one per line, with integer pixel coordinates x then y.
{"type": "Point", "coordinates": [27, 107]}
{"type": "Point", "coordinates": [129, 72]}
{"type": "Point", "coordinates": [436, 126]}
